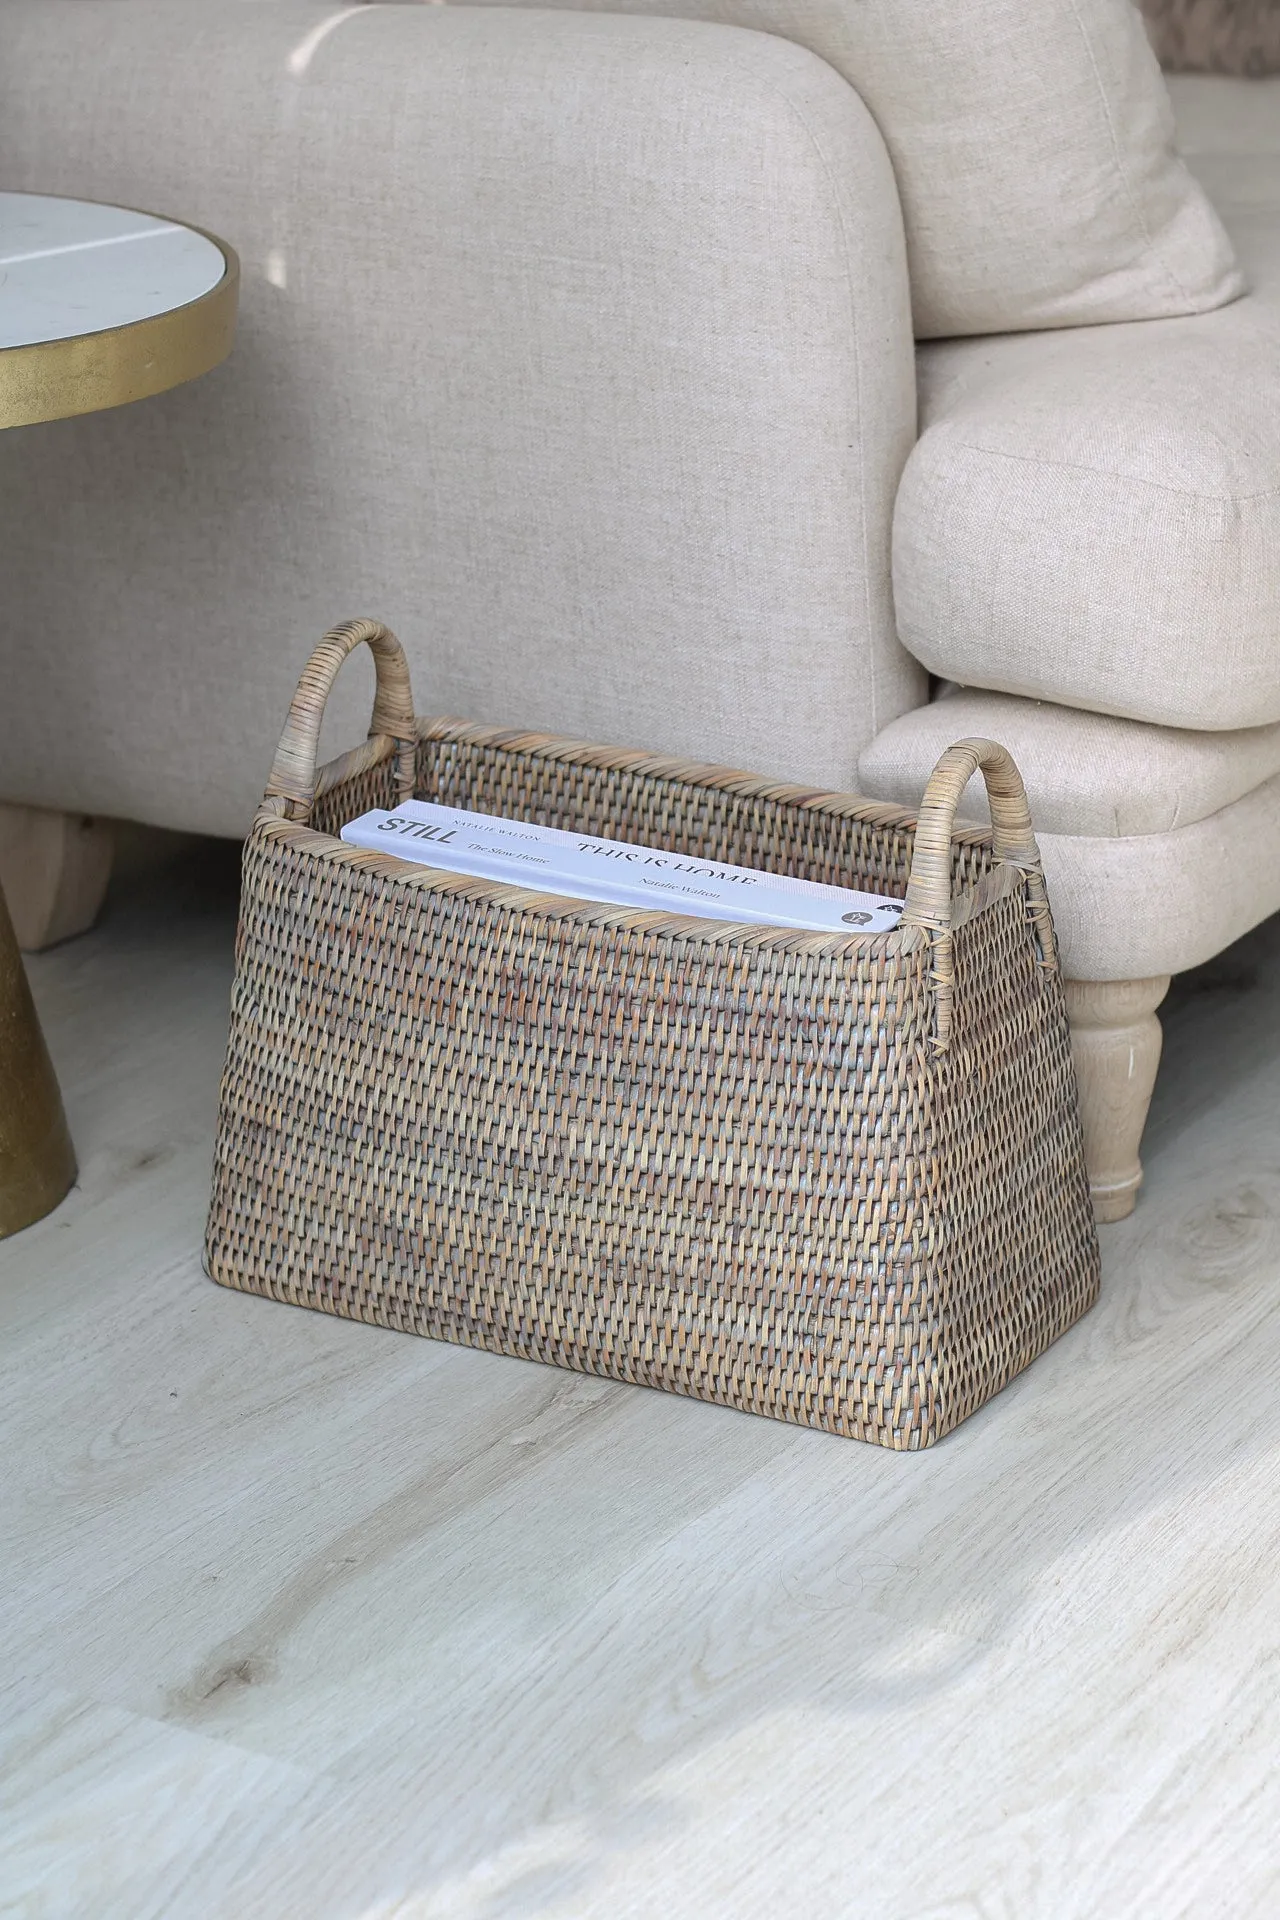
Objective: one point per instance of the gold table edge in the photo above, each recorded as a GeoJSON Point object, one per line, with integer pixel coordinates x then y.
{"type": "Point", "coordinates": [91, 372]}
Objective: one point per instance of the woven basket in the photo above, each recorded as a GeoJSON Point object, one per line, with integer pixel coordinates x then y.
{"type": "Point", "coordinates": [837, 1179]}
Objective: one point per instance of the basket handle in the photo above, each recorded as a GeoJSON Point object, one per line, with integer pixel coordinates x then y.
{"type": "Point", "coordinates": [928, 901]}
{"type": "Point", "coordinates": [293, 771]}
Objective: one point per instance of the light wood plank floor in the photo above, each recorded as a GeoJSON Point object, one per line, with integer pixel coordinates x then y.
{"type": "Point", "coordinates": [304, 1618]}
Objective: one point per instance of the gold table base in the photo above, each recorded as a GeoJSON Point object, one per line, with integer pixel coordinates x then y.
{"type": "Point", "coordinates": [37, 1160]}
{"type": "Point", "coordinates": [52, 380]}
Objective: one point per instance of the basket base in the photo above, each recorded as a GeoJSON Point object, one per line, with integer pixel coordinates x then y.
{"type": "Point", "coordinates": [848, 1423]}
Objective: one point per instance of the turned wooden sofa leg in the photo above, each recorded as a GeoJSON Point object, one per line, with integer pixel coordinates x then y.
{"type": "Point", "coordinates": [1115, 1040]}
{"type": "Point", "coordinates": [54, 868]}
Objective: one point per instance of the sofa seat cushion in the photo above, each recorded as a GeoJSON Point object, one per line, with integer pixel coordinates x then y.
{"type": "Point", "coordinates": [1085, 773]}
{"type": "Point", "coordinates": [1158, 846]}
{"type": "Point", "coordinates": [1093, 517]}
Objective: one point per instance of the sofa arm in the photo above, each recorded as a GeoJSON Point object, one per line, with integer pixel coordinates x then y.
{"type": "Point", "coordinates": [577, 348]}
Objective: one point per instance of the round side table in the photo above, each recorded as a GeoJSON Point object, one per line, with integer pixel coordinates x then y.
{"type": "Point", "coordinates": [99, 305]}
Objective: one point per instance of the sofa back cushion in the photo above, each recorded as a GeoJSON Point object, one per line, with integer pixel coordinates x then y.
{"type": "Point", "coordinates": [1032, 142]}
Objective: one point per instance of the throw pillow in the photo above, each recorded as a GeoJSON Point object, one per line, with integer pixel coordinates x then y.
{"type": "Point", "coordinates": [1032, 142]}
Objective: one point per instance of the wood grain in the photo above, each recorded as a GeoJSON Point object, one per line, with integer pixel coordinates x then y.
{"type": "Point", "coordinates": [54, 869]}
{"type": "Point", "coordinates": [303, 1618]}
{"type": "Point", "coordinates": [1115, 1041]}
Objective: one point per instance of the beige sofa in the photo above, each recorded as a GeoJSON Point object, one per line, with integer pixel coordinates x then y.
{"type": "Point", "coordinates": [578, 347]}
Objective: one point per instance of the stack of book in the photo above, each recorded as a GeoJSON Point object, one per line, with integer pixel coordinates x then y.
{"type": "Point", "coordinates": [580, 866]}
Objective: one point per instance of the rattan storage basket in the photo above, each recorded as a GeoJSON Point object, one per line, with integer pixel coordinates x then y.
{"type": "Point", "coordinates": [834, 1179]}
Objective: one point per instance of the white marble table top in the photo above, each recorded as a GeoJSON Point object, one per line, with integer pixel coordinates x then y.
{"type": "Point", "coordinates": [70, 267]}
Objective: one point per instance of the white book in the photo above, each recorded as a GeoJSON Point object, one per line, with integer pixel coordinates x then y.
{"type": "Point", "coordinates": [582, 866]}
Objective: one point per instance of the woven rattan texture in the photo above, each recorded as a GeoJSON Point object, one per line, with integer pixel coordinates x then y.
{"type": "Point", "coordinates": [723, 1170]}
{"type": "Point", "coordinates": [618, 803]}
{"type": "Point", "coordinates": [1019, 1257]}
{"type": "Point", "coordinates": [749, 829]}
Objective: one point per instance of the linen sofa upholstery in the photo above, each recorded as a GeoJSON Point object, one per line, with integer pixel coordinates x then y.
{"type": "Point", "coordinates": [1093, 517]}
{"type": "Point", "coordinates": [1086, 773]}
{"type": "Point", "coordinates": [577, 348]}
{"type": "Point", "coordinates": [1159, 844]}
{"type": "Point", "coordinates": [1218, 121]}
{"type": "Point", "coordinates": [1140, 579]}
{"type": "Point", "coordinates": [1032, 142]}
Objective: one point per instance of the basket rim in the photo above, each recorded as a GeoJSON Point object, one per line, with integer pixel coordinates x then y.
{"type": "Point", "coordinates": [691, 773]}
{"type": "Point", "coordinates": [273, 822]}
